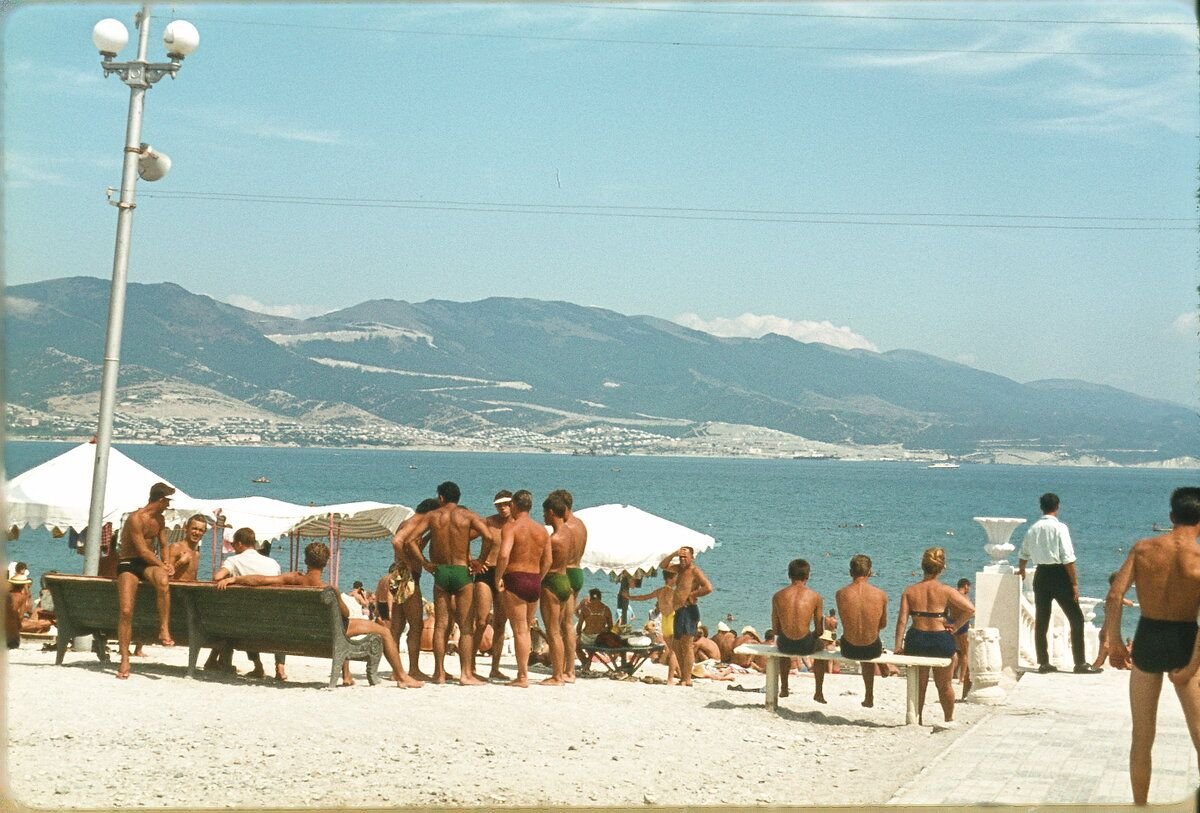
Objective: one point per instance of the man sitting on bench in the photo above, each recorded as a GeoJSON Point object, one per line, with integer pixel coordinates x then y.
{"type": "Point", "coordinates": [316, 556]}
{"type": "Point", "coordinates": [864, 613]}
{"type": "Point", "coordinates": [137, 563]}
{"type": "Point", "coordinates": [793, 610]}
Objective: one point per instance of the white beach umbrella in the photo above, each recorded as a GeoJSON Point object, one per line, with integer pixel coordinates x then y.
{"type": "Point", "coordinates": [58, 493]}
{"type": "Point", "coordinates": [623, 539]}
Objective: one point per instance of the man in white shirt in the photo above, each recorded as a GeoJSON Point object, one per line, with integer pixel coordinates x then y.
{"type": "Point", "coordinates": [1048, 544]}
{"type": "Point", "coordinates": [247, 561]}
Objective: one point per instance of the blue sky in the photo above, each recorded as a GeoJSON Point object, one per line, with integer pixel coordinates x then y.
{"type": "Point", "coordinates": [1008, 185]}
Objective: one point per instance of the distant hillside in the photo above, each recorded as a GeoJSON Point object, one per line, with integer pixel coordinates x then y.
{"type": "Point", "coordinates": [520, 365]}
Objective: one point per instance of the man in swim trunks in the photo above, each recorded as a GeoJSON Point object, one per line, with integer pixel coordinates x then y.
{"type": "Point", "coordinates": [316, 556]}
{"type": "Point", "coordinates": [863, 608]}
{"type": "Point", "coordinates": [451, 528]}
{"type": "Point", "coordinates": [523, 561]}
{"type": "Point", "coordinates": [690, 585]}
{"type": "Point", "coordinates": [558, 599]}
{"type": "Point", "coordinates": [594, 618]}
{"type": "Point", "coordinates": [1166, 571]}
{"type": "Point", "coordinates": [963, 645]}
{"type": "Point", "coordinates": [138, 562]}
{"type": "Point", "coordinates": [405, 589]}
{"type": "Point", "coordinates": [184, 556]}
{"type": "Point", "coordinates": [486, 603]}
{"type": "Point", "coordinates": [797, 616]}
{"type": "Point", "coordinates": [578, 535]}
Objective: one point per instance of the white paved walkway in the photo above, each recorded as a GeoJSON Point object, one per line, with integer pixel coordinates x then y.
{"type": "Point", "coordinates": [1061, 738]}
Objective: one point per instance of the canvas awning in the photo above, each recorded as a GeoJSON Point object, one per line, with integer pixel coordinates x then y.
{"type": "Point", "coordinates": [625, 540]}
{"type": "Point", "coordinates": [58, 493]}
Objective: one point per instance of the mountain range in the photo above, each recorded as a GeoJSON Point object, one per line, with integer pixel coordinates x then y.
{"type": "Point", "coordinates": [553, 369]}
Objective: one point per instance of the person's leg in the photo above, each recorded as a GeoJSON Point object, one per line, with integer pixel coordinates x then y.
{"type": "Point", "coordinates": [922, 685]}
{"type": "Point", "coordinates": [482, 601]}
{"type": "Point", "coordinates": [551, 617]}
{"type": "Point", "coordinates": [441, 629]}
{"type": "Point", "coordinates": [818, 671]}
{"type": "Point", "coordinates": [499, 617]}
{"type": "Point", "coordinates": [1144, 689]}
{"type": "Point", "coordinates": [410, 612]}
{"type": "Point", "coordinates": [1042, 596]}
{"type": "Point", "coordinates": [517, 611]}
{"type": "Point", "coordinates": [942, 678]}
{"type": "Point", "coordinates": [256, 661]}
{"type": "Point", "coordinates": [785, 669]}
{"type": "Point", "coordinates": [281, 667]}
{"type": "Point", "coordinates": [868, 676]}
{"type": "Point", "coordinates": [127, 584]}
{"type": "Point", "coordinates": [686, 652]}
{"type": "Point", "coordinates": [570, 642]}
{"type": "Point", "coordinates": [1189, 700]}
{"type": "Point", "coordinates": [360, 626]}
{"type": "Point", "coordinates": [465, 615]}
{"type": "Point", "coordinates": [157, 577]}
{"type": "Point", "coordinates": [1070, 607]}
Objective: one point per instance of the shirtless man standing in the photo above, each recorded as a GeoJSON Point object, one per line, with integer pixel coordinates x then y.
{"type": "Point", "coordinates": [523, 561]}
{"type": "Point", "coordinates": [451, 528]}
{"type": "Point", "coordinates": [1166, 571]}
{"type": "Point", "coordinates": [316, 556]}
{"type": "Point", "coordinates": [558, 600]}
{"type": "Point", "coordinates": [486, 601]}
{"type": "Point", "coordinates": [793, 610]}
{"type": "Point", "coordinates": [690, 585]}
{"type": "Point", "coordinates": [864, 613]}
{"type": "Point", "coordinates": [578, 533]}
{"type": "Point", "coordinates": [405, 589]}
{"type": "Point", "coordinates": [138, 562]}
{"type": "Point", "coordinates": [184, 555]}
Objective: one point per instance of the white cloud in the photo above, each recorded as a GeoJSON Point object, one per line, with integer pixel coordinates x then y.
{"type": "Point", "coordinates": [753, 326]}
{"type": "Point", "coordinates": [291, 311]}
{"type": "Point", "coordinates": [253, 124]}
{"type": "Point", "coordinates": [1186, 324]}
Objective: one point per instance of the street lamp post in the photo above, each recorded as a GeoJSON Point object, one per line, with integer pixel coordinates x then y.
{"type": "Point", "coordinates": [109, 37]}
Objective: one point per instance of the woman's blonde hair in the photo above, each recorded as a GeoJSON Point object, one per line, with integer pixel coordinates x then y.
{"type": "Point", "coordinates": [933, 561]}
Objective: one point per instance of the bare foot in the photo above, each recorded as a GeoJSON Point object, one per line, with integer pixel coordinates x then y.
{"type": "Point", "coordinates": [417, 674]}
{"type": "Point", "coordinates": [784, 692]}
{"type": "Point", "coordinates": [280, 673]}
{"type": "Point", "coordinates": [164, 638]}
{"type": "Point", "coordinates": [470, 680]}
{"type": "Point", "coordinates": [438, 678]}
{"type": "Point", "coordinates": [820, 698]}
{"type": "Point", "coordinates": [138, 653]}
{"type": "Point", "coordinates": [123, 669]}
{"type": "Point", "coordinates": [496, 674]}
{"type": "Point", "coordinates": [685, 683]}
{"type": "Point", "coordinates": [966, 689]}
{"type": "Point", "coordinates": [347, 681]}
{"type": "Point", "coordinates": [569, 678]}
{"type": "Point", "coordinates": [256, 672]}
{"type": "Point", "coordinates": [868, 704]}
{"type": "Point", "coordinates": [520, 683]}
{"type": "Point", "coordinates": [550, 681]}
{"type": "Point", "coordinates": [407, 682]}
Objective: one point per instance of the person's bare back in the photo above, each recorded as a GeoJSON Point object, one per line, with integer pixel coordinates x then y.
{"type": "Point", "coordinates": [452, 528]}
{"type": "Point", "coordinates": [796, 611]}
{"type": "Point", "coordinates": [863, 608]}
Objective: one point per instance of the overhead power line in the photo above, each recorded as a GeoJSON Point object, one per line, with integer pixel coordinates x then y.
{"type": "Point", "coordinates": [1082, 222]}
{"type": "Point", "coordinates": [693, 44]}
{"type": "Point", "coordinates": [825, 16]}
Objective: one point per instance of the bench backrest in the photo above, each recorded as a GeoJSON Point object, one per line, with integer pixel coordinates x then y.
{"type": "Point", "coordinates": [90, 604]}
{"type": "Point", "coordinates": [292, 620]}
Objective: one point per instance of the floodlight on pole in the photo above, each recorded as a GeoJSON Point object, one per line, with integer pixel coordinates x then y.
{"type": "Point", "coordinates": [110, 36]}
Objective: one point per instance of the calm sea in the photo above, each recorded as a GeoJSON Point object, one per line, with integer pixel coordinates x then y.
{"type": "Point", "coordinates": [763, 513]}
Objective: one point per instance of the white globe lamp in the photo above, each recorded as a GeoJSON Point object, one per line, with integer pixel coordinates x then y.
{"type": "Point", "coordinates": [181, 39]}
{"type": "Point", "coordinates": [109, 36]}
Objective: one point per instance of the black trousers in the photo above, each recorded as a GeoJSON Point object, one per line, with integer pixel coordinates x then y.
{"type": "Point", "coordinates": [1051, 583]}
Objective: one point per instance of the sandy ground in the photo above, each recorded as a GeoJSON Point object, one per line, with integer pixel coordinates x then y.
{"type": "Point", "coordinates": [80, 738]}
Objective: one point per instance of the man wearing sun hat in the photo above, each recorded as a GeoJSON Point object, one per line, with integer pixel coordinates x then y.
{"type": "Point", "coordinates": [18, 598]}
{"type": "Point", "coordinates": [485, 582]}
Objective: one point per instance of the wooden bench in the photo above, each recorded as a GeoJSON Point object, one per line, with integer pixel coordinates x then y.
{"type": "Point", "coordinates": [631, 657]}
{"type": "Point", "coordinates": [285, 620]}
{"type": "Point", "coordinates": [773, 656]}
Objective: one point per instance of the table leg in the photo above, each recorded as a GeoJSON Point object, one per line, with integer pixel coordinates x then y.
{"type": "Point", "coordinates": [910, 717]}
{"type": "Point", "coordinates": [772, 683]}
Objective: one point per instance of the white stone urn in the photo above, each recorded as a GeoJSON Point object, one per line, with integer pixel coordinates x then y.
{"type": "Point", "coordinates": [999, 530]}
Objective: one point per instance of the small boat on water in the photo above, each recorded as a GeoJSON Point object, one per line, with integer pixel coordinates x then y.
{"type": "Point", "coordinates": [942, 466]}
{"type": "Point", "coordinates": [260, 479]}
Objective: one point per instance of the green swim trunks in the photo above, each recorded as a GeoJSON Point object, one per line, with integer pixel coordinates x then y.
{"type": "Point", "coordinates": [558, 584]}
{"type": "Point", "coordinates": [575, 574]}
{"type": "Point", "coordinates": [452, 578]}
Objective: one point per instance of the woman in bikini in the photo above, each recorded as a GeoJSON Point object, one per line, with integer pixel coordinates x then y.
{"type": "Point", "coordinates": [936, 610]}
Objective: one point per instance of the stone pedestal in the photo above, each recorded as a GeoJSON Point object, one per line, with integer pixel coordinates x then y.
{"type": "Point", "coordinates": [984, 658]}
{"type": "Point", "coordinates": [998, 605]}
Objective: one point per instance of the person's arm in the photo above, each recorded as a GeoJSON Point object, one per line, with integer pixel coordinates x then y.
{"type": "Point", "coordinates": [507, 535]}
{"type": "Point", "coordinates": [901, 623]}
{"type": "Point", "coordinates": [1118, 653]}
{"type": "Point", "coordinates": [488, 537]}
{"type": "Point", "coordinates": [702, 586]}
{"type": "Point", "coordinates": [223, 573]}
{"type": "Point", "coordinates": [1023, 556]}
{"type": "Point", "coordinates": [665, 563]}
{"type": "Point", "coordinates": [547, 559]}
{"type": "Point", "coordinates": [404, 541]}
{"type": "Point", "coordinates": [961, 609]}
{"type": "Point", "coordinates": [1074, 577]}
{"type": "Point", "coordinates": [775, 624]}
{"type": "Point", "coordinates": [643, 596]}
{"type": "Point", "coordinates": [883, 613]}
{"type": "Point", "coordinates": [818, 619]}
{"type": "Point", "coordinates": [254, 580]}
